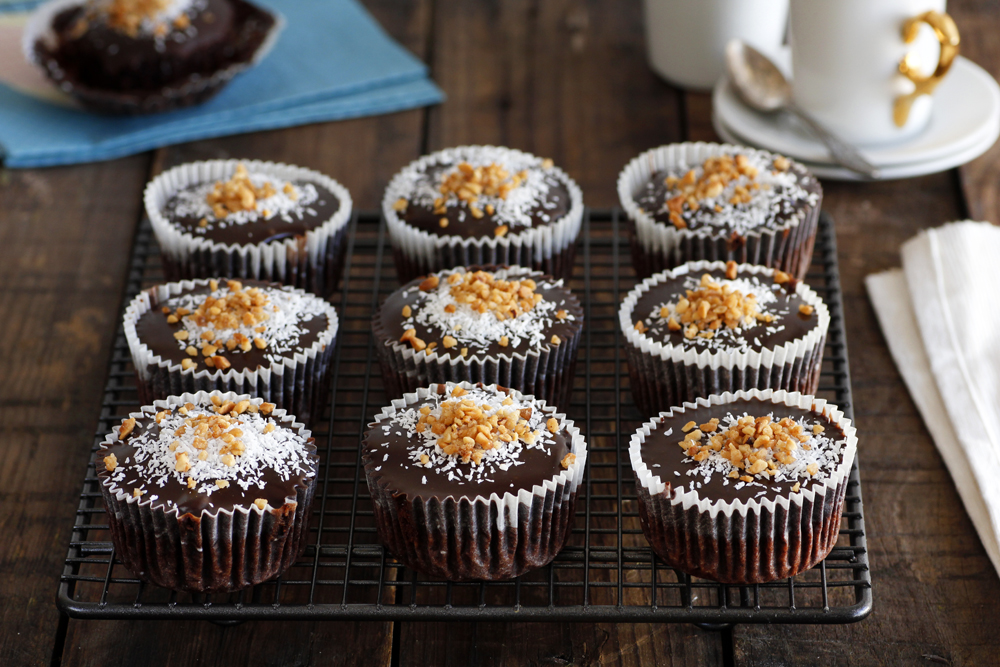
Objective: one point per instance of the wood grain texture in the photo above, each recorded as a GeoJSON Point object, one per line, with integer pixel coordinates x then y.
{"type": "Point", "coordinates": [63, 254]}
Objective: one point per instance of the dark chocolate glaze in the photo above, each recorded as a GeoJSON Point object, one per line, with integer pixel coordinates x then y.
{"type": "Point", "coordinates": [103, 57]}
{"type": "Point", "coordinates": [391, 317]}
{"type": "Point", "coordinates": [188, 501]}
{"type": "Point", "coordinates": [275, 228]}
{"type": "Point", "coordinates": [652, 198]}
{"type": "Point", "coordinates": [794, 324]}
{"type": "Point", "coordinates": [158, 335]}
{"type": "Point", "coordinates": [662, 450]}
{"type": "Point", "coordinates": [553, 206]}
{"type": "Point", "coordinates": [398, 472]}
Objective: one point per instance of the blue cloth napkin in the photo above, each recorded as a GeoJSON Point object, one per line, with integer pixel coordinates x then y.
{"type": "Point", "coordinates": [332, 61]}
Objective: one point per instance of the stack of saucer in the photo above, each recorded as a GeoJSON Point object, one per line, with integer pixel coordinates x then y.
{"type": "Point", "coordinates": [964, 125]}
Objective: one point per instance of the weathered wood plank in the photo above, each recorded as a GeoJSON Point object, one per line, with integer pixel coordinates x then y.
{"type": "Point", "coordinates": [64, 243]}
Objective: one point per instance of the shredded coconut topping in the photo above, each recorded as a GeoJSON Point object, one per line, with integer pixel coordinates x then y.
{"type": "Point", "coordinates": [207, 447]}
{"type": "Point", "coordinates": [739, 192]}
{"type": "Point", "coordinates": [718, 313]}
{"type": "Point", "coordinates": [499, 426]}
{"type": "Point", "coordinates": [478, 309]}
{"type": "Point", "coordinates": [754, 449]}
{"type": "Point", "coordinates": [485, 179]}
{"type": "Point", "coordinates": [245, 198]}
{"type": "Point", "coordinates": [231, 320]}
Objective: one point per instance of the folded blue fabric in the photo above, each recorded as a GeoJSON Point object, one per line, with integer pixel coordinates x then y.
{"type": "Point", "coordinates": [332, 61]}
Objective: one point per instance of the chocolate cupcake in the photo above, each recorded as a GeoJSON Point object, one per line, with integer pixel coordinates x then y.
{"type": "Point", "coordinates": [707, 327]}
{"type": "Point", "coordinates": [250, 219]}
{"type": "Point", "coordinates": [472, 481]}
{"type": "Point", "coordinates": [513, 327]}
{"type": "Point", "coordinates": [136, 57]}
{"type": "Point", "coordinates": [482, 205]}
{"type": "Point", "coordinates": [744, 488]}
{"type": "Point", "coordinates": [208, 492]}
{"type": "Point", "coordinates": [717, 202]}
{"type": "Point", "coordinates": [268, 340]}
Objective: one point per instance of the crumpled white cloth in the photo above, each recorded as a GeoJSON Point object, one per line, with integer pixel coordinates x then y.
{"type": "Point", "coordinates": [941, 317]}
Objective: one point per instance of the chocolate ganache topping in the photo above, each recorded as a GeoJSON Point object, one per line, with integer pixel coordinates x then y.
{"type": "Point", "coordinates": [730, 193]}
{"type": "Point", "coordinates": [476, 442]}
{"type": "Point", "coordinates": [251, 208]}
{"type": "Point", "coordinates": [748, 449]}
{"type": "Point", "coordinates": [731, 310]}
{"type": "Point", "coordinates": [467, 312]}
{"type": "Point", "coordinates": [243, 325]}
{"type": "Point", "coordinates": [212, 456]}
{"type": "Point", "coordinates": [481, 191]}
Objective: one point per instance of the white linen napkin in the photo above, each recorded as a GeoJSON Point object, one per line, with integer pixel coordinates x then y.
{"type": "Point", "coordinates": [941, 317]}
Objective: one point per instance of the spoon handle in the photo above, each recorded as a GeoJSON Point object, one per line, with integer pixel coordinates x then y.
{"type": "Point", "coordinates": [842, 152]}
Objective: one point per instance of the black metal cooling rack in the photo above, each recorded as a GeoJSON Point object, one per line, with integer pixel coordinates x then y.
{"type": "Point", "coordinates": [607, 571]}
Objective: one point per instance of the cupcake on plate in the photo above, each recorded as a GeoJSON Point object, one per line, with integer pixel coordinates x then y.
{"type": "Point", "coordinates": [744, 488]}
{"type": "Point", "coordinates": [472, 481]}
{"type": "Point", "coordinates": [144, 56]}
{"type": "Point", "coordinates": [708, 327]}
{"type": "Point", "coordinates": [511, 326]}
{"type": "Point", "coordinates": [717, 202]}
{"type": "Point", "coordinates": [268, 340]}
{"type": "Point", "coordinates": [250, 219]}
{"type": "Point", "coordinates": [482, 205]}
{"type": "Point", "coordinates": [208, 492]}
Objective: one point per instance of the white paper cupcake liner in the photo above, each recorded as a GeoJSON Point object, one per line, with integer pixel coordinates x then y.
{"type": "Point", "coordinates": [296, 383]}
{"type": "Point", "coordinates": [662, 375]}
{"type": "Point", "coordinates": [217, 551]}
{"type": "Point", "coordinates": [193, 90]}
{"type": "Point", "coordinates": [545, 373]}
{"type": "Point", "coordinates": [463, 538]}
{"type": "Point", "coordinates": [657, 246]}
{"type": "Point", "coordinates": [313, 262]}
{"type": "Point", "coordinates": [549, 248]}
{"type": "Point", "coordinates": [743, 542]}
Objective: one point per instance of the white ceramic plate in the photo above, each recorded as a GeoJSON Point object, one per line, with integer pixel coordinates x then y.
{"type": "Point", "coordinates": [829, 171]}
{"type": "Point", "coordinates": [966, 112]}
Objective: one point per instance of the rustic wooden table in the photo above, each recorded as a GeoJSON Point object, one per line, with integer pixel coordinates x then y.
{"type": "Point", "coordinates": [565, 79]}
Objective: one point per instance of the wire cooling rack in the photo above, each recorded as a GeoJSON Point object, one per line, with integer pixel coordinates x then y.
{"type": "Point", "coordinates": [607, 571]}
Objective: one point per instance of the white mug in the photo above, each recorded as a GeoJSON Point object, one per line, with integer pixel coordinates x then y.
{"type": "Point", "coordinates": [686, 39]}
{"type": "Point", "coordinates": [865, 69]}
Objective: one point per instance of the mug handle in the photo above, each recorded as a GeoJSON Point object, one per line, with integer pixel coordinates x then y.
{"type": "Point", "coordinates": [947, 34]}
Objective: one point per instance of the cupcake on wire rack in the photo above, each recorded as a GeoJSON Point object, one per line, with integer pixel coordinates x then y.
{"type": "Point", "coordinates": [473, 482]}
{"type": "Point", "coordinates": [482, 205]}
{"type": "Point", "coordinates": [512, 326]}
{"type": "Point", "coordinates": [208, 492]}
{"type": "Point", "coordinates": [708, 327]}
{"type": "Point", "coordinates": [744, 488]}
{"type": "Point", "coordinates": [250, 219]}
{"type": "Point", "coordinates": [718, 202]}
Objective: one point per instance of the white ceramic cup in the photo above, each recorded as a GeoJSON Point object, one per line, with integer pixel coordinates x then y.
{"type": "Point", "coordinates": [846, 64]}
{"type": "Point", "coordinates": [686, 39]}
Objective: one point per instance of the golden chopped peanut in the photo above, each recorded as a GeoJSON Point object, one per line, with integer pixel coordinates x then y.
{"type": "Point", "coordinates": [429, 283]}
{"type": "Point", "coordinates": [504, 341]}
{"type": "Point", "coordinates": [424, 459]}
{"type": "Point", "coordinates": [781, 163]}
{"type": "Point", "coordinates": [126, 428]}
{"type": "Point", "coordinates": [552, 424]}
{"type": "Point", "coordinates": [442, 223]}
{"type": "Point", "coordinates": [458, 391]}
{"type": "Point", "coordinates": [731, 270]}
{"type": "Point", "coordinates": [449, 342]}
{"type": "Point", "coordinates": [110, 462]}
{"type": "Point", "coordinates": [560, 314]}
{"type": "Point", "coordinates": [188, 364]}
{"type": "Point", "coordinates": [781, 277]}
{"type": "Point", "coordinates": [400, 205]}
{"type": "Point", "coordinates": [418, 344]}
{"type": "Point", "coordinates": [259, 343]}
{"type": "Point", "coordinates": [237, 194]}
{"type": "Point", "coordinates": [795, 489]}
{"type": "Point", "coordinates": [555, 339]}
{"type": "Point", "coordinates": [137, 493]}
{"type": "Point", "coordinates": [221, 363]}
{"type": "Point", "coordinates": [817, 429]}
{"type": "Point", "coordinates": [806, 309]}
{"type": "Point", "coordinates": [501, 231]}
{"type": "Point", "coordinates": [407, 311]}
{"type": "Point", "coordinates": [641, 327]}
{"type": "Point", "coordinates": [568, 460]}
{"type": "Point", "coordinates": [182, 462]}
{"type": "Point", "coordinates": [181, 335]}
{"type": "Point", "coordinates": [464, 352]}
{"type": "Point", "coordinates": [228, 460]}
{"type": "Point", "coordinates": [269, 428]}
{"type": "Point", "coordinates": [260, 503]}
{"type": "Point", "coordinates": [221, 483]}
{"type": "Point", "coordinates": [266, 408]}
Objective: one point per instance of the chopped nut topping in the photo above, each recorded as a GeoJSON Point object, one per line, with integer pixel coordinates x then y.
{"type": "Point", "coordinates": [110, 462]}
{"type": "Point", "coordinates": [260, 503]}
{"type": "Point", "coordinates": [182, 462]}
{"type": "Point", "coordinates": [552, 424]}
{"type": "Point", "coordinates": [191, 483]}
{"type": "Point", "coordinates": [731, 270]}
{"type": "Point", "coordinates": [188, 364]}
{"type": "Point", "coordinates": [220, 363]}
{"type": "Point", "coordinates": [561, 314]}
{"type": "Point", "coordinates": [806, 309]}
{"type": "Point", "coordinates": [400, 205]}
{"type": "Point", "coordinates": [568, 460]}
{"type": "Point", "coordinates": [464, 352]}
{"type": "Point", "coordinates": [442, 223]}
{"type": "Point", "coordinates": [407, 311]}
{"type": "Point", "coordinates": [717, 173]}
{"type": "Point", "coordinates": [468, 183]}
{"type": "Point", "coordinates": [237, 308]}
{"type": "Point", "coordinates": [687, 427]}
{"type": "Point", "coordinates": [484, 292]}
{"type": "Point", "coordinates": [781, 277]}
{"type": "Point", "coordinates": [127, 15]}
{"type": "Point", "coordinates": [449, 342]}
{"type": "Point", "coordinates": [754, 445]}
{"type": "Point", "coordinates": [266, 408]}
{"type": "Point", "coordinates": [640, 327]}
{"type": "Point", "coordinates": [221, 483]}
{"type": "Point", "coordinates": [429, 283]}
{"type": "Point", "coordinates": [424, 459]}
{"type": "Point", "coordinates": [781, 163]}
{"type": "Point", "coordinates": [555, 340]}
{"type": "Point", "coordinates": [795, 489]}
{"type": "Point", "coordinates": [501, 231]}
{"type": "Point", "coordinates": [237, 194]}
{"type": "Point", "coordinates": [137, 493]}
{"type": "Point", "coordinates": [468, 431]}
{"type": "Point", "coordinates": [504, 341]}
{"type": "Point", "coordinates": [713, 306]}
{"type": "Point", "coordinates": [127, 426]}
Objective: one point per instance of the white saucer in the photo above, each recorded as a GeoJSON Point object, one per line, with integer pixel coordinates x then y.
{"type": "Point", "coordinates": [966, 115]}
{"type": "Point", "coordinates": [833, 172]}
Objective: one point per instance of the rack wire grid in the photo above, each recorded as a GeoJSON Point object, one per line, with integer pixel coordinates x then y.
{"type": "Point", "coordinates": [606, 572]}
